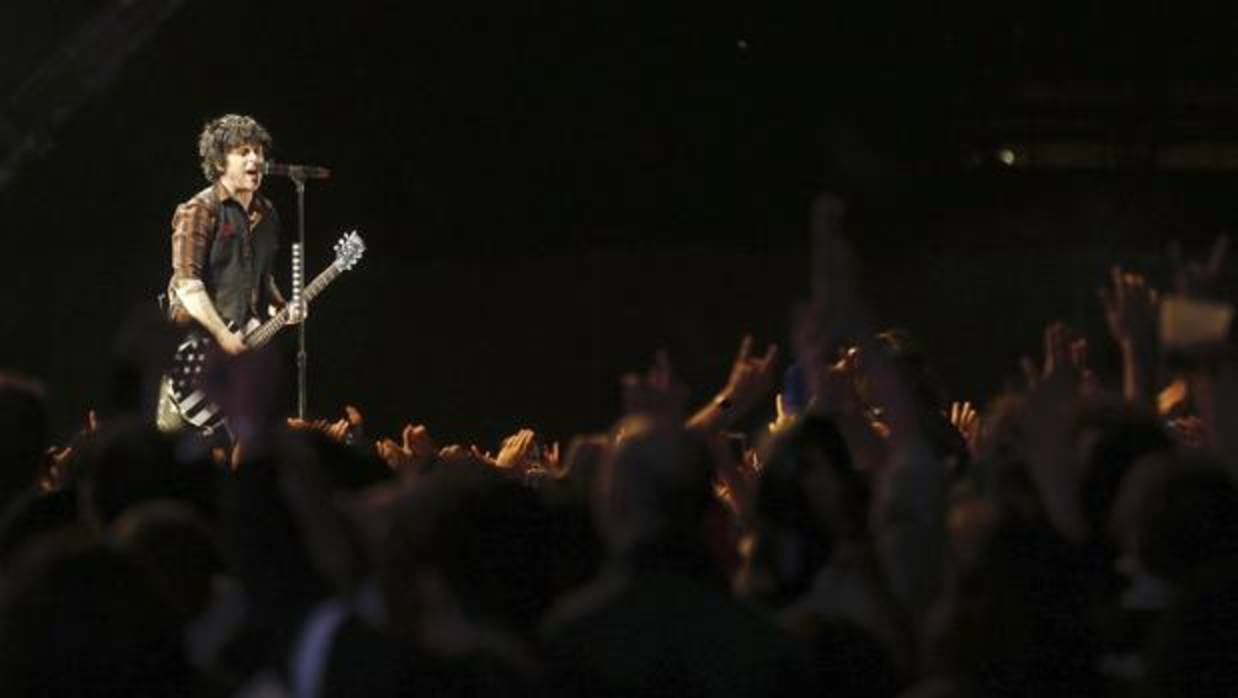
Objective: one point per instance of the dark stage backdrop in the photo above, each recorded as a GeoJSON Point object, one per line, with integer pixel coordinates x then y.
{"type": "Point", "coordinates": [551, 191]}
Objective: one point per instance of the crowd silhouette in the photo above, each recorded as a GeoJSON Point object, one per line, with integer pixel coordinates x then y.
{"type": "Point", "coordinates": [873, 536]}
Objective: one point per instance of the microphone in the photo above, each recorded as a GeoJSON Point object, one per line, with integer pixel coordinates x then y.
{"type": "Point", "coordinates": [295, 171]}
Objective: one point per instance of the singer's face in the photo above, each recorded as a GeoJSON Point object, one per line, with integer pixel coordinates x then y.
{"type": "Point", "coordinates": [243, 168]}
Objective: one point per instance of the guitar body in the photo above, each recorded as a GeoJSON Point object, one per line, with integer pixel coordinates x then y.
{"type": "Point", "coordinates": [184, 377]}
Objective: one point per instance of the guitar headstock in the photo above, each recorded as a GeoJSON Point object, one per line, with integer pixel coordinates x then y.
{"type": "Point", "coordinates": [348, 250]}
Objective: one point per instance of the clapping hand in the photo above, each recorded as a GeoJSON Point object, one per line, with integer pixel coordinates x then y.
{"type": "Point", "coordinates": [345, 430]}
{"type": "Point", "coordinates": [517, 451]}
{"type": "Point", "coordinates": [412, 453]}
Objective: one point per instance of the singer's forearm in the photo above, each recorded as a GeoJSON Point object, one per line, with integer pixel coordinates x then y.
{"type": "Point", "coordinates": [192, 296]}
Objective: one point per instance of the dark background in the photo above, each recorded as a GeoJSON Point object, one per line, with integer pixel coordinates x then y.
{"type": "Point", "coordinates": [550, 191]}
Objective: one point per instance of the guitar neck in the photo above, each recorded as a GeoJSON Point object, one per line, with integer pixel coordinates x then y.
{"type": "Point", "coordinates": [265, 332]}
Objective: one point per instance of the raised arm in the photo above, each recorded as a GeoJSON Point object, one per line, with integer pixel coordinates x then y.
{"type": "Point", "coordinates": [1131, 308]}
{"type": "Point", "coordinates": [751, 380]}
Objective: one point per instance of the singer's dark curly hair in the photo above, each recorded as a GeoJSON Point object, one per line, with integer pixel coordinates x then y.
{"type": "Point", "coordinates": [223, 134]}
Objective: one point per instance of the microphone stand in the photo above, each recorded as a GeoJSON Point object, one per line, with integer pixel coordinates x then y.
{"type": "Point", "coordinates": [298, 179]}
{"type": "Point", "coordinates": [299, 174]}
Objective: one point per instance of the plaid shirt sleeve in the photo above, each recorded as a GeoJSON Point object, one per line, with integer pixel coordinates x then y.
{"type": "Point", "coordinates": [193, 225]}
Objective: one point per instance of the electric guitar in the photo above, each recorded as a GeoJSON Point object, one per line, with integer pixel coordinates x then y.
{"type": "Point", "coordinates": [184, 376]}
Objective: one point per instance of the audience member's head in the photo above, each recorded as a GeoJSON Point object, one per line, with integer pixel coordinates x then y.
{"type": "Point", "coordinates": [1178, 515]}
{"type": "Point", "coordinates": [999, 472]}
{"type": "Point", "coordinates": [810, 500]}
{"type": "Point", "coordinates": [178, 546]}
{"type": "Point", "coordinates": [1015, 619]}
{"type": "Point", "coordinates": [130, 462]}
{"type": "Point", "coordinates": [33, 514]}
{"type": "Point", "coordinates": [473, 542]}
{"type": "Point", "coordinates": [1110, 438]}
{"type": "Point", "coordinates": [655, 487]}
{"type": "Point", "coordinates": [906, 350]}
{"type": "Point", "coordinates": [78, 618]}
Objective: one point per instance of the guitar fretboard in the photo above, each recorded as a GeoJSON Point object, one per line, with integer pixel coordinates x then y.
{"type": "Point", "coordinates": [263, 334]}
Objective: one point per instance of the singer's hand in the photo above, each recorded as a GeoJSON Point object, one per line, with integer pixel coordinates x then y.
{"type": "Point", "coordinates": [231, 342]}
{"type": "Point", "coordinates": [297, 312]}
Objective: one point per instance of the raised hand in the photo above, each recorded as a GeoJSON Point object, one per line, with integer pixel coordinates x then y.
{"type": "Point", "coordinates": [417, 441]}
{"type": "Point", "coordinates": [415, 450]}
{"type": "Point", "coordinates": [1061, 359]}
{"type": "Point", "coordinates": [1196, 279]}
{"type": "Point", "coordinates": [345, 430]}
{"type": "Point", "coordinates": [1131, 307]}
{"type": "Point", "coordinates": [516, 451]}
{"type": "Point", "coordinates": [966, 420]}
{"type": "Point", "coordinates": [1132, 311]}
{"type": "Point", "coordinates": [782, 418]}
{"type": "Point", "coordinates": [835, 388]}
{"type": "Point", "coordinates": [349, 428]}
{"type": "Point", "coordinates": [394, 456]}
{"type": "Point", "coordinates": [552, 460]}
{"type": "Point", "coordinates": [751, 377]}
{"type": "Point", "coordinates": [1053, 397]}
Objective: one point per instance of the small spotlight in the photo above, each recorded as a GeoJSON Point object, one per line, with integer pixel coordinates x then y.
{"type": "Point", "coordinates": [1006, 156]}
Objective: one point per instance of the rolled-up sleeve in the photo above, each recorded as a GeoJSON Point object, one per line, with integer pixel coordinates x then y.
{"type": "Point", "coordinates": [192, 228]}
